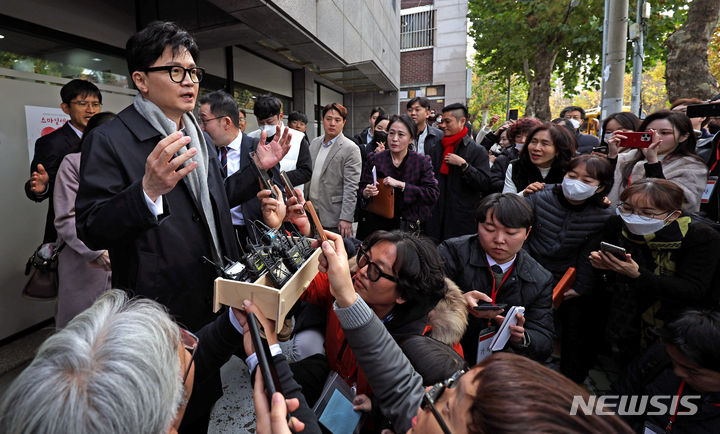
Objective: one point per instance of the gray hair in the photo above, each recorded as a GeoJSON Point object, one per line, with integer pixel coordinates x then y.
{"type": "Point", "coordinates": [114, 369]}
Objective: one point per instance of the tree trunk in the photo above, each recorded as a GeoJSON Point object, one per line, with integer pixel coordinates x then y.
{"type": "Point", "coordinates": [687, 73]}
{"type": "Point", "coordinates": [538, 100]}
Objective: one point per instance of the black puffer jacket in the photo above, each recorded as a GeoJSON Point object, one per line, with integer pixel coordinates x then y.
{"type": "Point", "coordinates": [528, 285]}
{"type": "Point", "coordinates": [499, 167]}
{"type": "Point", "coordinates": [561, 233]}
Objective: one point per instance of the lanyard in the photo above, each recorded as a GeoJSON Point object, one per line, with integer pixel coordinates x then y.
{"type": "Point", "coordinates": [668, 428]}
{"type": "Point", "coordinates": [717, 157]}
{"type": "Point", "coordinates": [494, 292]}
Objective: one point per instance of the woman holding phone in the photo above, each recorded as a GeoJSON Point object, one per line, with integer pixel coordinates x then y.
{"type": "Point", "coordinates": [670, 155]}
{"type": "Point", "coordinates": [670, 262]}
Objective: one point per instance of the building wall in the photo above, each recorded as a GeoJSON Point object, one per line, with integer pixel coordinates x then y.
{"type": "Point", "coordinates": [355, 30]}
{"type": "Point", "coordinates": [417, 67]}
{"type": "Point", "coordinates": [450, 63]}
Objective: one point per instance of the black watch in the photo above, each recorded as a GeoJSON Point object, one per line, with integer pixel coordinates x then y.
{"type": "Point", "coordinates": [464, 166]}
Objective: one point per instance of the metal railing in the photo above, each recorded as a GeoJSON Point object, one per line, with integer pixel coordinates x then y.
{"type": "Point", "coordinates": [417, 30]}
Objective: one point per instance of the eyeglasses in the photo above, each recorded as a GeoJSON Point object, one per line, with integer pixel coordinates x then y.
{"type": "Point", "coordinates": [190, 342]}
{"type": "Point", "coordinates": [205, 121]}
{"type": "Point", "coordinates": [374, 273]}
{"type": "Point", "coordinates": [433, 395]}
{"type": "Point", "coordinates": [627, 210]}
{"type": "Point", "coordinates": [177, 73]}
{"type": "Point", "coordinates": [84, 104]}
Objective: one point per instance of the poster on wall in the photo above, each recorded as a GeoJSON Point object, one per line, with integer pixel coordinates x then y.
{"type": "Point", "coordinates": [41, 121]}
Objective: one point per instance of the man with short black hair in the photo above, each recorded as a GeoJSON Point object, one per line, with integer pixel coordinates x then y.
{"type": "Point", "coordinates": [686, 364]}
{"type": "Point", "coordinates": [152, 192]}
{"type": "Point", "coordinates": [81, 100]}
{"type": "Point", "coordinates": [365, 136]}
{"type": "Point", "coordinates": [297, 163]}
{"type": "Point", "coordinates": [462, 169]}
{"type": "Point", "coordinates": [298, 121]}
{"type": "Point", "coordinates": [218, 117]}
{"type": "Point", "coordinates": [428, 137]}
{"type": "Point", "coordinates": [576, 115]}
{"type": "Point", "coordinates": [336, 173]}
{"type": "Point", "coordinates": [491, 266]}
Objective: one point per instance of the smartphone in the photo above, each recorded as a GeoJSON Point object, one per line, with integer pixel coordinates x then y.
{"type": "Point", "coordinates": [641, 139]}
{"type": "Point", "coordinates": [315, 221]}
{"type": "Point", "coordinates": [263, 364]}
{"type": "Point", "coordinates": [265, 181]}
{"type": "Point", "coordinates": [614, 250]}
{"type": "Point", "coordinates": [289, 189]}
{"type": "Point", "coordinates": [703, 110]}
{"type": "Point", "coordinates": [485, 305]}
{"type": "Point", "coordinates": [513, 114]}
{"type": "Point", "coordinates": [600, 149]}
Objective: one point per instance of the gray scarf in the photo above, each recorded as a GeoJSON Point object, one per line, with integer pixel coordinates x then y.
{"type": "Point", "coordinates": [196, 180]}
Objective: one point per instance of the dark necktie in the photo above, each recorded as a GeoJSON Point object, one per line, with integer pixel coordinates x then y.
{"type": "Point", "coordinates": [223, 160]}
{"type": "Point", "coordinates": [496, 269]}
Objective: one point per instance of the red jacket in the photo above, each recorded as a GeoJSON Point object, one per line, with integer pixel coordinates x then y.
{"type": "Point", "coordinates": [340, 357]}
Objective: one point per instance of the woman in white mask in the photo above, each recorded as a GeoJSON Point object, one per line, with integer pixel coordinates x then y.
{"type": "Point", "coordinates": [566, 216]}
{"type": "Point", "coordinates": [671, 263]}
{"type": "Point", "coordinates": [671, 156]}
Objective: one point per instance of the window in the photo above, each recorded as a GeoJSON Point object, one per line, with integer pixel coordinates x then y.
{"type": "Point", "coordinates": [417, 28]}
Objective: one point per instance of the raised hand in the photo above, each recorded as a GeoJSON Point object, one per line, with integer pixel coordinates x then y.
{"type": "Point", "coordinates": [270, 154]}
{"type": "Point", "coordinates": [162, 167]}
{"type": "Point", "coordinates": [39, 180]}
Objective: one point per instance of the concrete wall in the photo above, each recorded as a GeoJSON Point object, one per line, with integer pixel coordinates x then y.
{"type": "Point", "coordinates": [450, 51]}
{"type": "Point", "coordinates": [355, 30]}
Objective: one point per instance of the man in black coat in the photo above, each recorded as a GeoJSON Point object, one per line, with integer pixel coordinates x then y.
{"type": "Point", "coordinates": [576, 115]}
{"type": "Point", "coordinates": [428, 137]}
{"type": "Point", "coordinates": [491, 266]}
{"type": "Point", "coordinates": [155, 197]}
{"type": "Point", "coordinates": [80, 100]}
{"type": "Point", "coordinates": [462, 169]}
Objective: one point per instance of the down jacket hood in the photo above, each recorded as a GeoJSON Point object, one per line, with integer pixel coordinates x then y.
{"type": "Point", "coordinates": [449, 318]}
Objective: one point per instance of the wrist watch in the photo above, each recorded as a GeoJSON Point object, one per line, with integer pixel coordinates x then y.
{"type": "Point", "coordinates": [464, 166]}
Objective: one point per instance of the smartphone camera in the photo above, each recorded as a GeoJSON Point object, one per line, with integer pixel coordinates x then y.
{"type": "Point", "coordinates": [646, 138]}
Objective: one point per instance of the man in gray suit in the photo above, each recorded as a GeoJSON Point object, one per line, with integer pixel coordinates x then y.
{"type": "Point", "coordinates": [336, 173]}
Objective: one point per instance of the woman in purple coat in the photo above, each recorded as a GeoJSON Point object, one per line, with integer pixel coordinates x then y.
{"type": "Point", "coordinates": [83, 274]}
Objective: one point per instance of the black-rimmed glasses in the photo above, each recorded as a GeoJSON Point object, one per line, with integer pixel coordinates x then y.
{"type": "Point", "coordinates": [177, 73]}
{"type": "Point", "coordinates": [433, 395]}
{"type": "Point", "coordinates": [374, 273]}
{"type": "Point", "coordinates": [190, 342]}
{"type": "Point", "coordinates": [627, 210]}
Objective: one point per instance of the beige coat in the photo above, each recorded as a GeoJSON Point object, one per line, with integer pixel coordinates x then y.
{"type": "Point", "coordinates": [340, 176]}
{"type": "Point", "coordinates": [687, 173]}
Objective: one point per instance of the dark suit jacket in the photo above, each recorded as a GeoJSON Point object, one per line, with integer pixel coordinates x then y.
{"type": "Point", "coordinates": [432, 139]}
{"type": "Point", "coordinates": [251, 208]}
{"type": "Point", "coordinates": [50, 151]}
{"type": "Point", "coordinates": [159, 258]}
{"type": "Point", "coordinates": [460, 192]}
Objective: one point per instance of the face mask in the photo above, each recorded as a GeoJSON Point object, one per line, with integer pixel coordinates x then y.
{"type": "Point", "coordinates": [575, 123]}
{"type": "Point", "coordinates": [380, 136]}
{"type": "Point", "coordinates": [641, 225]}
{"type": "Point", "coordinates": [574, 189]}
{"type": "Point", "coordinates": [270, 130]}
{"type": "Point", "coordinates": [607, 136]}
{"type": "Point", "coordinates": [519, 146]}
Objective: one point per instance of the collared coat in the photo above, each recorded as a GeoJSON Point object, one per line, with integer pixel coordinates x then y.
{"type": "Point", "coordinates": [528, 285]}
{"type": "Point", "coordinates": [460, 191]}
{"type": "Point", "coordinates": [158, 258]}
{"type": "Point", "coordinates": [340, 175]}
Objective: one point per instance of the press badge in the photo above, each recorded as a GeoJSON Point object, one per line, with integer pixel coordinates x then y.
{"type": "Point", "coordinates": [484, 343]}
{"type": "Point", "coordinates": [709, 188]}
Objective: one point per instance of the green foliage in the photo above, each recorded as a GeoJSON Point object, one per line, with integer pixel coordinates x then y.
{"type": "Point", "coordinates": [666, 16]}
{"type": "Point", "coordinates": [489, 95]}
{"type": "Point", "coordinates": [508, 32]}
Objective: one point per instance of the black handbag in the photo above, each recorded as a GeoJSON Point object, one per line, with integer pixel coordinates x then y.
{"type": "Point", "coordinates": [43, 282]}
